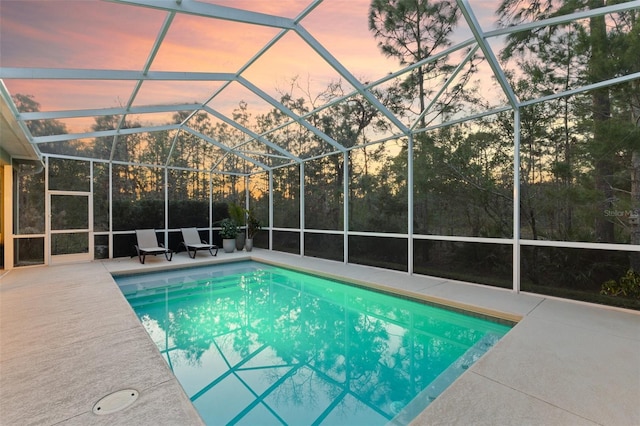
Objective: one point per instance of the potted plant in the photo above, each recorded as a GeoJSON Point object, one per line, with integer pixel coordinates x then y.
{"type": "Point", "coordinates": [238, 214]}
{"type": "Point", "coordinates": [253, 226]}
{"type": "Point", "coordinates": [228, 233]}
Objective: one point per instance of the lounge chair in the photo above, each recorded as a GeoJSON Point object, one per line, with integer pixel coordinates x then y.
{"type": "Point", "coordinates": [148, 244]}
{"type": "Point", "coordinates": [191, 241]}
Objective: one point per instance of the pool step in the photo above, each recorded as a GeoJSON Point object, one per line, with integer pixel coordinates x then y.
{"type": "Point", "coordinates": [131, 283]}
{"type": "Point", "coordinates": [154, 295]}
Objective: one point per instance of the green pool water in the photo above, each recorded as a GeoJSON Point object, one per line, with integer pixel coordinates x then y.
{"type": "Point", "coordinates": [253, 344]}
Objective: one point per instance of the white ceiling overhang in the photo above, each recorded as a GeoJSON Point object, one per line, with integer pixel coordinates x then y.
{"type": "Point", "coordinates": [14, 141]}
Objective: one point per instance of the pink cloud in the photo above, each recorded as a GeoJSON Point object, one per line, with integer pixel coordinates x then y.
{"type": "Point", "coordinates": [199, 44]}
{"type": "Point", "coordinates": [76, 34]}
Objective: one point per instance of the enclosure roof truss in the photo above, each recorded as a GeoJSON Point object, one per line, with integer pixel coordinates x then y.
{"type": "Point", "coordinates": [258, 147]}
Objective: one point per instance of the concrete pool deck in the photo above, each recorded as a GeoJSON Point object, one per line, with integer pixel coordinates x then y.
{"type": "Point", "coordinates": [68, 338]}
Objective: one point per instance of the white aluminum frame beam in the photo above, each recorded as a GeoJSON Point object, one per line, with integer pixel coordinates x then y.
{"type": "Point", "coordinates": [350, 78]}
{"type": "Point", "coordinates": [563, 19]}
{"type": "Point", "coordinates": [209, 10]}
{"type": "Point", "coordinates": [447, 83]}
{"type": "Point", "coordinates": [150, 109]}
{"type": "Point", "coordinates": [481, 38]}
{"type": "Point", "coordinates": [103, 133]}
{"type": "Point", "coordinates": [145, 71]}
{"type": "Point", "coordinates": [250, 133]}
{"type": "Point", "coordinates": [266, 97]}
{"type": "Point", "coordinates": [225, 148]}
{"type": "Point", "coordinates": [98, 74]}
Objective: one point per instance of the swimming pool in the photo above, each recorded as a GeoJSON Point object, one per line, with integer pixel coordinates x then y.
{"type": "Point", "coordinates": [257, 344]}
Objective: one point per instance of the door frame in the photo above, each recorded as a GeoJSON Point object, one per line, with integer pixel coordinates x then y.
{"type": "Point", "coordinates": [71, 257]}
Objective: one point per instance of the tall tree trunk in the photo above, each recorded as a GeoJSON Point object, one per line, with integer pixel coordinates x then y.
{"type": "Point", "coordinates": [601, 115]}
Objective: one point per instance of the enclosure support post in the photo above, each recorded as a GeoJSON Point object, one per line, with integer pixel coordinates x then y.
{"type": "Point", "coordinates": [270, 209]}
{"type": "Point", "coordinates": [302, 209]}
{"type": "Point", "coordinates": [211, 207]}
{"type": "Point", "coordinates": [166, 206]}
{"type": "Point", "coordinates": [516, 200]}
{"type": "Point", "coordinates": [246, 201]}
{"type": "Point", "coordinates": [47, 215]}
{"type": "Point", "coordinates": [345, 206]}
{"type": "Point", "coordinates": [110, 210]}
{"type": "Point", "coordinates": [410, 204]}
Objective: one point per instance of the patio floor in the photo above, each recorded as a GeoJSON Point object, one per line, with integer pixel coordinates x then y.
{"type": "Point", "coordinates": [68, 338]}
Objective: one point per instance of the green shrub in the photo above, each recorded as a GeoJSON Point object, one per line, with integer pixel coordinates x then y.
{"type": "Point", "coordinates": [228, 229]}
{"type": "Point", "coordinates": [627, 286]}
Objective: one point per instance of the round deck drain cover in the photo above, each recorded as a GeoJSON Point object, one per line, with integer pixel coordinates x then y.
{"type": "Point", "coordinates": [115, 401]}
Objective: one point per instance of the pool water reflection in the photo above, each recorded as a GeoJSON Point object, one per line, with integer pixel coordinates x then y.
{"type": "Point", "coordinates": [255, 344]}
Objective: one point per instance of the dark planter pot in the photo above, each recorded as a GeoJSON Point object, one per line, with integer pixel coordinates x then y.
{"type": "Point", "coordinates": [240, 242]}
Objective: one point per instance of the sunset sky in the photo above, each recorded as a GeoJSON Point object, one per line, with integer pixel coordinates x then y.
{"type": "Point", "coordinates": [92, 34]}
